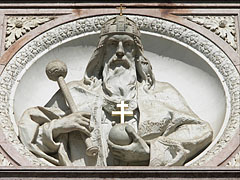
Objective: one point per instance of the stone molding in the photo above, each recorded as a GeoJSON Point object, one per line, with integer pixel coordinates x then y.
{"type": "Point", "coordinates": [17, 26]}
{"type": "Point", "coordinates": [217, 59]}
{"type": "Point", "coordinates": [235, 161]}
{"type": "Point", "coordinates": [4, 161]}
{"type": "Point", "coordinates": [133, 173]}
{"type": "Point", "coordinates": [223, 26]}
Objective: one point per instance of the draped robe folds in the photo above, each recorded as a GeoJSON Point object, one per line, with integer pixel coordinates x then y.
{"type": "Point", "coordinates": [174, 133]}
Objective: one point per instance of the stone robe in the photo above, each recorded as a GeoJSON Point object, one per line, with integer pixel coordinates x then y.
{"type": "Point", "coordinates": [162, 118]}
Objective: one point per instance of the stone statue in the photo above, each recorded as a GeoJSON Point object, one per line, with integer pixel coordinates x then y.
{"type": "Point", "coordinates": [162, 131]}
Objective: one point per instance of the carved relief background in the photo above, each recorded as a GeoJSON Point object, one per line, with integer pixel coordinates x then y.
{"type": "Point", "coordinates": [73, 29]}
{"type": "Point", "coordinates": [223, 26]}
{"type": "Point", "coordinates": [17, 26]}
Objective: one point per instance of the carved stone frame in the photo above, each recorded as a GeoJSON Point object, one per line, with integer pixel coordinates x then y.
{"type": "Point", "coordinates": [211, 53]}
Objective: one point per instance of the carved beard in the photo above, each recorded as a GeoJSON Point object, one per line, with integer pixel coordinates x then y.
{"type": "Point", "coordinates": [120, 82]}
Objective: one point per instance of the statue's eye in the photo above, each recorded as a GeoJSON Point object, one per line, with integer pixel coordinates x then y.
{"type": "Point", "coordinates": [112, 43]}
{"type": "Point", "coordinates": [127, 43]}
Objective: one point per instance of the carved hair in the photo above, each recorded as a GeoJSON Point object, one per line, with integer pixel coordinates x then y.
{"type": "Point", "coordinates": [93, 73]}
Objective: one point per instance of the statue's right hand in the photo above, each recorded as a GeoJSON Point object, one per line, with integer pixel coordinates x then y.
{"type": "Point", "coordinates": [78, 121]}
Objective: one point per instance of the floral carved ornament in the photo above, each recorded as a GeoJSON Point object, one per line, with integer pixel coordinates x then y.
{"type": "Point", "coordinates": [223, 26]}
{"type": "Point", "coordinates": [17, 26]}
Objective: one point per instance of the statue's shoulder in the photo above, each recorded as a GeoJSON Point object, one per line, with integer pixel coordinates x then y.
{"type": "Point", "coordinates": [160, 91]}
{"type": "Point", "coordinates": [81, 87]}
{"type": "Point", "coordinates": [166, 93]}
{"type": "Point", "coordinates": [163, 84]}
{"type": "Point", "coordinates": [73, 84]}
{"type": "Point", "coordinates": [165, 87]}
{"type": "Point", "coordinates": [80, 92]}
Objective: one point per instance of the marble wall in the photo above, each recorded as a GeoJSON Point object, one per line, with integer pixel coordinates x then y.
{"type": "Point", "coordinates": [209, 88]}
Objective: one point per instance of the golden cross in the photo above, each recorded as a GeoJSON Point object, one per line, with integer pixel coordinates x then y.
{"type": "Point", "coordinates": [122, 111]}
{"type": "Point", "coordinates": [121, 8]}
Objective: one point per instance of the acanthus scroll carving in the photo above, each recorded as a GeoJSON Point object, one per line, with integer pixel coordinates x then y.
{"type": "Point", "coordinates": [17, 26]}
{"type": "Point", "coordinates": [224, 26]}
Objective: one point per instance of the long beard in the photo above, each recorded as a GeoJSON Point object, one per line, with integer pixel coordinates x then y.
{"type": "Point", "coordinates": [120, 83]}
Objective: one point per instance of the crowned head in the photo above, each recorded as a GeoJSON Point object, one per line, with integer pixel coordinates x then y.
{"type": "Point", "coordinates": [120, 25]}
{"type": "Point", "coordinates": [119, 30]}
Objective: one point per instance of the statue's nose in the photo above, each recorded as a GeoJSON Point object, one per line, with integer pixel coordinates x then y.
{"type": "Point", "coordinates": [120, 50]}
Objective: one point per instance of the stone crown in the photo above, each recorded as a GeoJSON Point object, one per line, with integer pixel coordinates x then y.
{"type": "Point", "coordinates": [120, 25]}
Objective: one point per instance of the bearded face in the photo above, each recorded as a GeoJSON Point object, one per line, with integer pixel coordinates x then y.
{"type": "Point", "coordinates": [120, 51]}
{"type": "Point", "coordinates": [119, 73]}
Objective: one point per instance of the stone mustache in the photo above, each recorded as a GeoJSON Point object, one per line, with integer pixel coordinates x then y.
{"type": "Point", "coordinates": [163, 130]}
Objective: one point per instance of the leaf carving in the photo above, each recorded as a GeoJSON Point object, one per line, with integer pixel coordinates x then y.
{"type": "Point", "coordinates": [17, 26]}
{"type": "Point", "coordinates": [223, 26]}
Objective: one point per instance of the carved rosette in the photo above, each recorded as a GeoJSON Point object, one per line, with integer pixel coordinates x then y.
{"type": "Point", "coordinates": [17, 26]}
{"type": "Point", "coordinates": [72, 30]}
{"type": "Point", "coordinates": [224, 26]}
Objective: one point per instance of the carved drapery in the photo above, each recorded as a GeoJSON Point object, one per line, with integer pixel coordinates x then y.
{"type": "Point", "coordinates": [73, 30]}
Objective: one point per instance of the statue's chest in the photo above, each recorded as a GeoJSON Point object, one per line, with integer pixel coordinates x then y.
{"type": "Point", "coordinates": [154, 119]}
{"type": "Point", "coordinates": [109, 120]}
{"type": "Point", "coordinates": [148, 123]}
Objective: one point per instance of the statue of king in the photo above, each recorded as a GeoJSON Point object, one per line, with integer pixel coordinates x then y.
{"type": "Point", "coordinates": [162, 131]}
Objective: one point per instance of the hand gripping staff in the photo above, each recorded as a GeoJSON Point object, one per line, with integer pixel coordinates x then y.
{"type": "Point", "coordinates": [57, 71]}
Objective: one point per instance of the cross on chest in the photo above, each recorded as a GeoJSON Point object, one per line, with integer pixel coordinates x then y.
{"type": "Point", "coordinates": [122, 111]}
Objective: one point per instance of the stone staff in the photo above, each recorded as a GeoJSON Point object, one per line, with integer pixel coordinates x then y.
{"type": "Point", "coordinates": [57, 71]}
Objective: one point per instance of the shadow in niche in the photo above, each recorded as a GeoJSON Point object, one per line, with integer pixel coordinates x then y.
{"type": "Point", "coordinates": [196, 155]}
{"type": "Point", "coordinates": [172, 50]}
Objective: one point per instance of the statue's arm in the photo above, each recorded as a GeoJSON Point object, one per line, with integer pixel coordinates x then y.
{"type": "Point", "coordinates": [193, 133]}
{"type": "Point", "coordinates": [40, 128]}
{"type": "Point", "coordinates": [33, 133]}
{"type": "Point", "coordinates": [186, 134]}
{"type": "Point", "coordinates": [181, 141]}
{"type": "Point", "coordinates": [44, 131]}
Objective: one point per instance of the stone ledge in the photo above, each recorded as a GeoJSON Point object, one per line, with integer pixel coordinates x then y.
{"type": "Point", "coordinates": [119, 172]}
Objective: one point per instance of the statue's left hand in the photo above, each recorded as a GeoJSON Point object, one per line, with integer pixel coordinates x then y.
{"type": "Point", "coordinates": [138, 150]}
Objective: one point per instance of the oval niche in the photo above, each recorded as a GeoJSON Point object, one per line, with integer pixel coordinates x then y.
{"type": "Point", "coordinates": [192, 68]}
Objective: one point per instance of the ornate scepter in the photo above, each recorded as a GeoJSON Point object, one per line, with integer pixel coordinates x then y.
{"type": "Point", "coordinates": [57, 71]}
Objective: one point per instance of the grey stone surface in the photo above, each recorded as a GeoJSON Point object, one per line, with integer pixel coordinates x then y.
{"type": "Point", "coordinates": [172, 173]}
{"type": "Point", "coordinates": [163, 128]}
{"type": "Point", "coordinates": [226, 71]}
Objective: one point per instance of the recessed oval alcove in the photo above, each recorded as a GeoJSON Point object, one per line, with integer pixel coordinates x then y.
{"type": "Point", "coordinates": [171, 62]}
{"type": "Point", "coordinates": [203, 82]}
